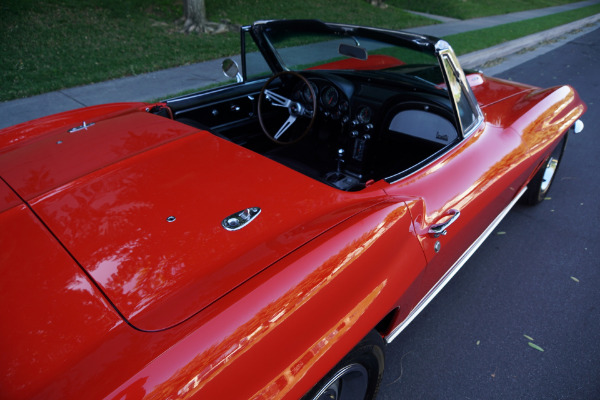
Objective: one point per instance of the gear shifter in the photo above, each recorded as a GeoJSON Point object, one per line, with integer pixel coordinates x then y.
{"type": "Point", "coordinates": [340, 161]}
{"type": "Point", "coordinates": [339, 179]}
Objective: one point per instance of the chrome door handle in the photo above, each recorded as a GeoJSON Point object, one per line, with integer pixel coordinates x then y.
{"type": "Point", "coordinates": [440, 229]}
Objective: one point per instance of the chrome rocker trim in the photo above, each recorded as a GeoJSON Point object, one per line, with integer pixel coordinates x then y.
{"type": "Point", "coordinates": [452, 271]}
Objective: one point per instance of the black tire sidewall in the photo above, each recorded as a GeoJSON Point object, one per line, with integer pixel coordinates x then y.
{"type": "Point", "coordinates": [370, 354]}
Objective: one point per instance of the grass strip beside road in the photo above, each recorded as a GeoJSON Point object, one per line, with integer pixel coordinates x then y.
{"type": "Point", "coordinates": [467, 9]}
{"type": "Point", "coordinates": [467, 42]}
{"type": "Point", "coordinates": [358, 12]}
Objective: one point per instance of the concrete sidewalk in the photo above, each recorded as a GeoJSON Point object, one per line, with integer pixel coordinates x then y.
{"type": "Point", "coordinates": [165, 83]}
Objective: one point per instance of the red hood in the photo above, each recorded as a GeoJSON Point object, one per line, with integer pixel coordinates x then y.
{"type": "Point", "coordinates": [106, 193]}
{"type": "Point", "coordinates": [489, 90]}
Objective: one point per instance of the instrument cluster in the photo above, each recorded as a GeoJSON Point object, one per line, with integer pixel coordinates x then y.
{"type": "Point", "coordinates": [332, 102]}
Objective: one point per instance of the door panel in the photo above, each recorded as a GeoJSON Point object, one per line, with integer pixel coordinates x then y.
{"type": "Point", "coordinates": [467, 187]}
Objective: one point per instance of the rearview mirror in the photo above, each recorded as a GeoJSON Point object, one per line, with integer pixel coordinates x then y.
{"type": "Point", "coordinates": [353, 51]}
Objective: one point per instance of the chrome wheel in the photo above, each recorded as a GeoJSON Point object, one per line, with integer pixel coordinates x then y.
{"type": "Point", "coordinates": [549, 171]}
{"type": "Point", "coordinates": [357, 376]}
{"type": "Point", "coordinates": [538, 187]}
{"type": "Point", "coordinates": [350, 383]}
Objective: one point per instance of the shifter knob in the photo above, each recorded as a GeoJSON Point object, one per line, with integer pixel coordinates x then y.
{"type": "Point", "coordinates": [340, 160]}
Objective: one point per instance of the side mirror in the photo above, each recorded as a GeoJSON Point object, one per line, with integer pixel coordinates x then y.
{"type": "Point", "coordinates": [231, 69]}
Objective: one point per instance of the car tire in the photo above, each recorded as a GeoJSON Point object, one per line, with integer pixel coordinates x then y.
{"type": "Point", "coordinates": [357, 376]}
{"type": "Point", "coordinates": [540, 184]}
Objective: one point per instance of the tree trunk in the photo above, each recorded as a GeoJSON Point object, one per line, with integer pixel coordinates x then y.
{"type": "Point", "coordinates": [377, 3]}
{"type": "Point", "coordinates": [194, 12]}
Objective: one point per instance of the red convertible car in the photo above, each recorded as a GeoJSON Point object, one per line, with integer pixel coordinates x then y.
{"type": "Point", "coordinates": [266, 237]}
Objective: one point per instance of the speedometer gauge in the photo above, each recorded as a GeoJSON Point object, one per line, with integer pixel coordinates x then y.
{"type": "Point", "coordinates": [329, 97]}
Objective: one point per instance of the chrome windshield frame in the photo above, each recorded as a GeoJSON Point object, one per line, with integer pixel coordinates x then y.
{"type": "Point", "coordinates": [444, 52]}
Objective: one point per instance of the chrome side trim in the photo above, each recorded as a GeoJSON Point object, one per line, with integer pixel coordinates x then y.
{"type": "Point", "coordinates": [453, 270]}
{"type": "Point", "coordinates": [205, 92]}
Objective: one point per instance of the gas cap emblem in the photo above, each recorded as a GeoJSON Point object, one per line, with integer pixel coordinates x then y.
{"type": "Point", "coordinates": [240, 219]}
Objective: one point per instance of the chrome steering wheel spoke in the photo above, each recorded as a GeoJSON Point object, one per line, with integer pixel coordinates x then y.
{"type": "Point", "coordinates": [285, 126]}
{"type": "Point", "coordinates": [277, 99]}
{"type": "Point", "coordinates": [295, 109]}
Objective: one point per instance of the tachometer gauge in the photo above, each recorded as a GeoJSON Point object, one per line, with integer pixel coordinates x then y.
{"type": "Point", "coordinates": [364, 115]}
{"type": "Point", "coordinates": [329, 97]}
{"type": "Point", "coordinates": [306, 92]}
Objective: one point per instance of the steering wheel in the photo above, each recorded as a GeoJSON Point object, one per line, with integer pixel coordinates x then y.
{"type": "Point", "coordinates": [294, 109]}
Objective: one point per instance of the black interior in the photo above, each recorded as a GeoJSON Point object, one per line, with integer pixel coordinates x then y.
{"type": "Point", "coordinates": [350, 144]}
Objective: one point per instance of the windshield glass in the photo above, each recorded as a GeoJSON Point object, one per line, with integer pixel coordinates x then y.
{"type": "Point", "coordinates": [338, 51]}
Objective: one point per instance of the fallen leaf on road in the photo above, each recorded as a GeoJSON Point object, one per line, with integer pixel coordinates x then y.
{"type": "Point", "coordinates": [501, 233]}
{"type": "Point", "coordinates": [528, 337]}
{"type": "Point", "coordinates": [535, 346]}
{"type": "Point", "coordinates": [575, 279]}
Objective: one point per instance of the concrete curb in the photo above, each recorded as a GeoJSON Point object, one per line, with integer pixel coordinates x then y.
{"type": "Point", "coordinates": [480, 57]}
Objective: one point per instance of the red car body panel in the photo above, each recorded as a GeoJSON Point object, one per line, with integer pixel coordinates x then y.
{"type": "Point", "coordinates": [488, 90]}
{"type": "Point", "coordinates": [42, 126]}
{"type": "Point", "coordinates": [59, 157]}
{"type": "Point", "coordinates": [248, 324]}
{"type": "Point", "coordinates": [475, 180]}
{"type": "Point", "coordinates": [105, 298]}
{"type": "Point", "coordinates": [265, 316]}
{"type": "Point", "coordinates": [8, 198]}
{"type": "Point", "coordinates": [114, 219]}
{"type": "Point", "coordinates": [41, 282]}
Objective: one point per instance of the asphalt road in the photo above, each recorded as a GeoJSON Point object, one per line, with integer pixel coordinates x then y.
{"type": "Point", "coordinates": [538, 274]}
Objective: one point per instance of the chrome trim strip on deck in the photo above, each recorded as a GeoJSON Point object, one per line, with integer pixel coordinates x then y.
{"type": "Point", "coordinates": [452, 271]}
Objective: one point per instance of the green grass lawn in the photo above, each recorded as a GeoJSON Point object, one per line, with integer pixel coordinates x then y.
{"type": "Point", "coordinates": [467, 9]}
{"type": "Point", "coordinates": [54, 44]}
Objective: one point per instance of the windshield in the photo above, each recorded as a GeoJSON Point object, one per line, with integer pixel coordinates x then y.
{"type": "Point", "coordinates": [304, 50]}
